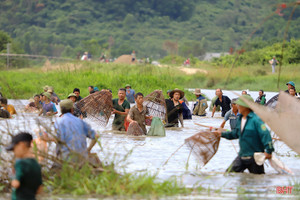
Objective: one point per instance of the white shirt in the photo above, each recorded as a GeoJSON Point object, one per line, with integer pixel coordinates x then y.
{"type": "Point", "coordinates": [243, 123]}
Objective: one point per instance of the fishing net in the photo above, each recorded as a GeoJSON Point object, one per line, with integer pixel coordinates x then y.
{"type": "Point", "coordinates": [157, 128]}
{"type": "Point", "coordinates": [203, 145]}
{"type": "Point", "coordinates": [155, 102]}
{"type": "Point", "coordinates": [134, 129]}
{"type": "Point", "coordinates": [97, 107]}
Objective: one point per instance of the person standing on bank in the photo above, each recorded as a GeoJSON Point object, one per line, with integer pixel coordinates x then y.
{"type": "Point", "coordinates": [253, 137]}
{"type": "Point", "coordinates": [273, 63]}
{"type": "Point", "coordinates": [121, 109]}
{"type": "Point", "coordinates": [222, 101]}
{"type": "Point", "coordinates": [174, 108]}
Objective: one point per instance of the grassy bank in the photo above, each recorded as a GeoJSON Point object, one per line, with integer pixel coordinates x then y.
{"type": "Point", "coordinates": [24, 83]}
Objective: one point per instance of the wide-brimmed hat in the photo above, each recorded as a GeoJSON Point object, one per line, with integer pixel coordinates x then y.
{"type": "Point", "coordinates": [291, 83]}
{"type": "Point", "coordinates": [21, 137]}
{"type": "Point", "coordinates": [197, 91]}
{"type": "Point", "coordinates": [127, 85]}
{"type": "Point", "coordinates": [50, 91]}
{"type": "Point", "coordinates": [242, 102]}
{"type": "Point", "coordinates": [67, 104]}
{"type": "Point", "coordinates": [46, 87]}
{"type": "Point", "coordinates": [72, 95]}
{"type": "Point", "coordinates": [47, 94]}
{"type": "Point", "coordinates": [177, 90]}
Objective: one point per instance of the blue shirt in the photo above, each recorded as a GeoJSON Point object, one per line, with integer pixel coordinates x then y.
{"type": "Point", "coordinates": [232, 118]}
{"type": "Point", "coordinates": [73, 132]}
{"type": "Point", "coordinates": [130, 95]}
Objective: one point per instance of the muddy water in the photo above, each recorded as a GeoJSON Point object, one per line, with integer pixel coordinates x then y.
{"type": "Point", "coordinates": [151, 153]}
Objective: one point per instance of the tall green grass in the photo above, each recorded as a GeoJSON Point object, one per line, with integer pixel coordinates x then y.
{"type": "Point", "coordinates": [85, 181]}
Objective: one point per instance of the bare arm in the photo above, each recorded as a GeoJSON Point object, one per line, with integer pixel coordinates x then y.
{"type": "Point", "coordinates": [214, 110]}
{"type": "Point", "coordinates": [129, 119]}
{"type": "Point", "coordinates": [120, 113]}
{"type": "Point", "coordinates": [40, 190]}
{"type": "Point", "coordinates": [223, 124]}
{"type": "Point", "coordinates": [180, 117]}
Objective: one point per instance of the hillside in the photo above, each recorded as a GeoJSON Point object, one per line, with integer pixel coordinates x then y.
{"type": "Point", "coordinates": [154, 28]}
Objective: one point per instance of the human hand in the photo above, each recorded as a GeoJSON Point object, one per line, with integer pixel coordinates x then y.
{"type": "Point", "coordinates": [268, 156]}
{"type": "Point", "coordinates": [48, 113]}
{"type": "Point", "coordinates": [15, 183]}
{"type": "Point", "coordinates": [114, 111]}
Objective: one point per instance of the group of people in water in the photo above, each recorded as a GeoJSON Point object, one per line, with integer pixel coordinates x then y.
{"type": "Point", "coordinates": [72, 131]}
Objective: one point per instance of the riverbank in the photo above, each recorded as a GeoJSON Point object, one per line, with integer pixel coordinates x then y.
{"type": "Point", "coordinates": [64, 77]}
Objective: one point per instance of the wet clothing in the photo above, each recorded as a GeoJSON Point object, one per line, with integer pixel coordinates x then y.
{"type": "Point", "coordinates": [173, 113]}
{"type": "Point", "coordinates": [261, 100]}
{"type": "Point", "coordinates": [186, 113]}
{"type": "Point", "coordinates": [130, 95]}
{"type": "Point", "coordinates": [140, 117]}
{"type": "Point", "coordinates": [73, 132]}
{"type": "Point", "coordinates": [232, 119]}
{"type": "Point", "coordinates": [4, 114]}
{"type": "Point", "coordinates": [240, 164]}
{"type": "Point", "coordinates": [200, 106]}
{"type": "Point", "coordinates": [49, 107]}
{"type": "Point", "coordinates": [225, 104]}
{"type": "Point", "coordinates": [28, 172]}
{"type": "Point", "coordinates": [255, 136]}
{"type": "Point", "coordinates": [11, 109]}
{"type": "Point", "coordinates": [118, 123]}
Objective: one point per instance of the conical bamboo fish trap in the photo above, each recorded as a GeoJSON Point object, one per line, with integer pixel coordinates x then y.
{"type": "Point", "coordinates": [155, 102]}
{"type": "Point", "coordinates": [97, 107]}
{"type": "Point", "coordinates": [203, 145]}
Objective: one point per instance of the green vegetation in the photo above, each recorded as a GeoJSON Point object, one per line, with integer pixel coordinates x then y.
{"type": "Point", "coordinates": [291, 55]}
{"type": "Point", "coordinates": [85, 181]}
{"type": "Point", "coordinates": [153, 28]}
{"type": "Point", "coordinates": [24, 83]}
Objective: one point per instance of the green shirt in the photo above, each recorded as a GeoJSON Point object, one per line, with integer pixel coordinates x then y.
{"type": "Point", "coordinates": [28, 172]}
{"type": "Point", "coordinates": [118, 123]}
{"type": "Point", "coordinates": [255, 136]}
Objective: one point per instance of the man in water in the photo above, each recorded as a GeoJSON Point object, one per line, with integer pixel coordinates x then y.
{"type": "Point", "coordinates": [76, 91]}
{"type": "Point", "coordinates": [174, 108]}
{"type": "Point", "coordinates": [10, 108]}
{"type": "Point", "coordinates": [231, 115]}
{"type": "Point", "coordinates": [139, 113]}
{"type": "Point", "coordinates": [72, 133]}
{"type": "Point", "coordinates": [130, 93]}
{"type": "Point", "coordinates": [121, 109]}
{"type": "Point", "coordinates": [222, 101]}
{"type": "Point", "coordinates": [261, 99]}
{"type": "Point", "coordinates": [253, 137]}
{"type": "Point", "coordinates": [200, 105]}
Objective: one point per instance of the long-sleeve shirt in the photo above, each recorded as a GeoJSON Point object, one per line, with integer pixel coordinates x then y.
{"type": "Point", "coordinates": [73, 132]}
{"type": "Point", "coordinates": [255, 137]}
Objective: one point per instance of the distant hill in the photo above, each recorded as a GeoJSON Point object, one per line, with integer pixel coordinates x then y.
{"type": "Point", "coordinates": [153, 28]}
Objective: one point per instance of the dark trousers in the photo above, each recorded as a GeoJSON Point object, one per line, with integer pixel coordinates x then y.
{"type": "Point", "coordinates": [239, 165]}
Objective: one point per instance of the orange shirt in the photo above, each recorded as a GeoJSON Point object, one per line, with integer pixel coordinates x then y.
{"type": "Point", "coordinates": [10, 109]}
